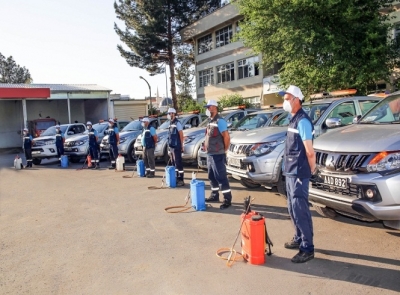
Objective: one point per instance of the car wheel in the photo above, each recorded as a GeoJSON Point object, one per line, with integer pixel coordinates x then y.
{"type": "Point", "coordinates": [248, 183]}
{"type": "Point", "coordinates": [325, 211]}
{"type": "Point", "coordinates": [132, 157]}
{"type": "Point", "coordinates": [281, 186]}
{"type": "Point", "coordinates": [75, 159]}
{"type": "Point", "coordinates": [36, 161]}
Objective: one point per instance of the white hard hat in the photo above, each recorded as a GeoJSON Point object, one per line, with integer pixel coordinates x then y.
{"type": "Point", "coordinates": [293, 90]}
{"type": "Point", "coordinates": [57, 126]}
{"type": "Point", "coordinates": [145, 120]}
{"type": "Point", "coordinates": [211, 102]}
{"type": "Point", "coordinates": [111, 120]}
{"type": "Point", "coordinates": [89, 123]}
{"type": "Point", "coordinates": [25, 129]}
{"type": "Point", "coordinates": [171, 110]}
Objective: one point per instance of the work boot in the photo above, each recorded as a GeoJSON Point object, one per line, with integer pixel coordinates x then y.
{"type": "Point", "coordinates": [225, 204]}
{"type": "Point", "coordinates": [112, 166]}
{"type": "Point", "coordinates": [59, 163]}
{"type": "Point", "coordinates": [213, 198]}
{"type": "Point", "coordinates": [91, 167]}
{"type": "Point", "coordinates": [97, 166]}
{"type": "Point", "coordinates": [292, 244]}
{"type": "Point", "coordinates": [180, 183]}
{"type": "Point", "coordinates": [151, 174]}
{"type": "Point", "coordinates": [302, 257]}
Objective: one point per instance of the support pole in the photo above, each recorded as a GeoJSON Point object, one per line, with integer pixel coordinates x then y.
{"type": "Point", "coordinates": [69, 109]}
{"type": "Point", "coordinates": [24, 113]}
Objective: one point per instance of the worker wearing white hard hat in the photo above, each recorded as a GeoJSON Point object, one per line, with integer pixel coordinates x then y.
{"type": "Point", "coordinates": [149, 142]}
{"type": "Point", "coordinates": [60, 139]}
{"type": "Point", "coordinates": [93, 146]}
{"type": "Point", "coordinates": [175, 144]}
{"type": "Point", "coordinates": [113, 140]}
{"type": "Point", "coordinates": [27, 142]}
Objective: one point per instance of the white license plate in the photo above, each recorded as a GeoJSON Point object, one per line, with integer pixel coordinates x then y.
{"type": "Point", "coordinates": [334, 181]}
{"type": "Point", "coordinates": [234, 162]}
{"type": "Point", "coordinates": [35, 152]}
{"type": "Point", "coordinates": [68, 149]}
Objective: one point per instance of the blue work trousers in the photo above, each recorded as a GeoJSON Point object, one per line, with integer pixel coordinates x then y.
{"type": "Point", "coordinates": [113, 153]}
{"type": "Point", "coordinates": [176, 159]}
{"type": "Point", "coordinates": [94, 153]}
{"type": "Point", "coordinates": [60, 150]}
{"type": "Point", "coordinates": [217, 176]}
{"type": "Point", "coordinates": [299, 211]}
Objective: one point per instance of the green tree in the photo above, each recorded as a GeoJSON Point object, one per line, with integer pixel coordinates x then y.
{"type": "Point", "coordinates": [323, 44]}
{"type": "Point", "coordinates": [232, 100]}
{"type": "Point", "coordinates": [11, 72]}
{"type": "Point", "coordinates": [152, 32]}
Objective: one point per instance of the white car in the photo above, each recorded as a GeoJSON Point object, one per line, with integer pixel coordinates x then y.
{"type": "Point", "coordinates": [44, 146]}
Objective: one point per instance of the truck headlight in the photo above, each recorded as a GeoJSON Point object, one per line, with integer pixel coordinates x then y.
{"type": "Point", "coordinates": [49, 142]}
{"type": "Point", "coordinates": [81, 142]}
{"type": "Point", "coordinates": [384, 161]}
{"type": "Point", "coordinates": [263, 148]}
{"type": "Point", "coordinates": [161, 138]}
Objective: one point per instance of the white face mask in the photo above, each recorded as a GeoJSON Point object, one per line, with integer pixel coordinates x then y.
{"type": "Point", "coordinates": [109, 125]}
{"type": "Point", "coordinates": [143, 125]}
{"type": "Point", "coordinates": [88, 127]}
{"type": "Point", "coordinates": [287, 106]}
{"type": "Point", "coordinates": [208, 113]}
{"type": "Point", "coordinates": [169, 117]}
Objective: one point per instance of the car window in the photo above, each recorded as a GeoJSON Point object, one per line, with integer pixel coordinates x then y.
{"type": "Point", "coordinates": [386, 111]}
{"type": "Point", "coordinates": [315, 111]}
{"type": "Point", "coordinates": [253, 121]}
{"type": "Point", "coordinates": [345, 111]}
{"type": "Point", "coordinates": [194, 121]}
{"type": "Point", "coordinates": [203, 117]}
{"type": "Point", "coordinates": [366, 105]}
{"type": "Point", "coordinates": [236, 118]}
{"type": "Point", "coordinates": [165, 125]}
{"type": "Point", "coordinates": [283, 120]}
{"type": "Point", "coordinates": [133, 126]}
{"type": "Point", "coordinates": [80, 129]}
{"type": "Point", "coordinates": [122, 125]}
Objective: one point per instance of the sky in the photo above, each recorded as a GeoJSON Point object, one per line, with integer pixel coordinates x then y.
{"type": "Point", "coordinates": [71, 42]}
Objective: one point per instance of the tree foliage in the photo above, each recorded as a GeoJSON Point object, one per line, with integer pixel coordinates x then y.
{"type": "Point", "coordinates": [323, 44]}
{"type": "Point", "coordinates": [232, 100]}
{"type": "Point", "coordinates": [152, 31]}
{"type": "Point", "coordinates": [11, 72]}
{"type": "Point", "coordinates": [184, 71]}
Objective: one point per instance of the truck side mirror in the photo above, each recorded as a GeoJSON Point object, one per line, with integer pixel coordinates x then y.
{"type": "Point", "coordinates": [333, 122]}
{"type": "Point", "coordinates": [70, 132]}
{"type": "Point", "coordinates": [229, 124]}
{"type": "Point", "coordinates": [187, 126]}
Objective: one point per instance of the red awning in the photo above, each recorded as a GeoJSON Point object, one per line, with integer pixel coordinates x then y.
{"type": "Point", "coordinates": [13, 93]}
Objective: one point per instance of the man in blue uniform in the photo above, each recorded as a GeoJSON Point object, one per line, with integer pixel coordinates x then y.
{"type": "Point", "coordinates": [149, 141]}
{"type": "Point", "coordinates": [299, 165]}
{"type": "Point", "coordinates": [93, 146]}
{"type": "Point", "coordinates": [60, 139]}
{"type": "Point", "coordinates": [175, 140]}
{"type": "Point", "coordinates": [27, 140]}
{"type": "Point", "coordinates": [113, 140]}
{"type": "Point", "coordinates": [217, 144]}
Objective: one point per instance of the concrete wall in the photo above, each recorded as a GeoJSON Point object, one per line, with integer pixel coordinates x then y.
{"type": "Point", "coordinates": [11, 123]}
{"type": "Point", "coordinates": [95, 110]}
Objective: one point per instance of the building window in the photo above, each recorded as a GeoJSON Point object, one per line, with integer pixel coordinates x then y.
{"type": "Point", "coordinates": [226, 73]}
{"type": "Point", "coordinates": [206, 77]}
{"type": "Point", "coordinates": [248, 67]}
{"type": "Point", "coordinates": [204, 44]}
{"type": "Point", "coordinates": [223, 36]}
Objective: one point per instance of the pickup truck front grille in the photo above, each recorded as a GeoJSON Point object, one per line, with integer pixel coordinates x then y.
{"type": "Point", "coordinates": [342, 162]}
{"type": "Point", "coordinates": [240, 149]}
{"type": "Point", "coordinates": [69, 143]}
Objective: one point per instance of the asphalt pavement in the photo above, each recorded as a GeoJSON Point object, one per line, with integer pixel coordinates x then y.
{"type": "Point", "coordinates": [68, 231]}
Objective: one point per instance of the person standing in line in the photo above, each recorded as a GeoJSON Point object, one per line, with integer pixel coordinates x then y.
{"type": "Point", "coordinates": [27, 140]}
{"type": "Point", "coordinates": [217, 144]}
{"type": "Point", "coordinates": [298, 167]}
{"type": "Point", "coordinates": [175, 143]}
{"type": "Point", "coordinates": [113, 140]}
{"type": "Point", "coordinates": [60, 139]}
{"type": "Point", "coordinates": [93, 146]}
{"type": "Point", "coordinates": [149, 142]}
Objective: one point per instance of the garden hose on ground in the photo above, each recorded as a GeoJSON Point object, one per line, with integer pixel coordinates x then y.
{"type": "Point", "coordinates": [232, 252]}
{"type": "Point", "coordinates": [180, 208]}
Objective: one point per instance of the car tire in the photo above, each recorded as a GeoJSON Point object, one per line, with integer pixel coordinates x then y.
{"type": "Point", "coordinates": [281, 186]}
{"type": "Point", "coordinates": [75, 160]}
{"type": "Point", "coordinates": [131, 154]}
{"type": "Point", "coordinates": [36, 161]}
{"type": "Point", "coordinates": [325, 212]}
{"type": "Point", "coordinates": [248, 183]}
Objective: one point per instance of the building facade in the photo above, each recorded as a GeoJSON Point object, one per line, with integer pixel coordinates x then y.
{"type": "Point", "coordinates": [223, 65]}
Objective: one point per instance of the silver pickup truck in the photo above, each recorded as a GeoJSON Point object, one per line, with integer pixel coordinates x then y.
{"type": "Point", "coordinates": [255, 156]}
{"type": "Point", "coordinates": [360, 167]}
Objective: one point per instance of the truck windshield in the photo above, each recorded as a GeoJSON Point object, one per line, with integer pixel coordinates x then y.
{"type": "Point", "coordinates": [165, 125]}
{"type": "Point", "coordinates": [43, 125]}
{"type": "Point", "coordinates": [52, 131]}
{"type": "Point", "coordinates": [386, 111]}
{"type": "Point", "coordinates": [99, 127]}
{"type": "Point", "coordinates": [133, 126]}
{"type": "Point", "coordinates": [253, 121]}
{"type": "Point", "coordinates": [314, 111]}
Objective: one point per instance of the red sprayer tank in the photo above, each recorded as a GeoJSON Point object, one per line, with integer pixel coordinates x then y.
{"type": "Point", "coordinates": [253, 237]}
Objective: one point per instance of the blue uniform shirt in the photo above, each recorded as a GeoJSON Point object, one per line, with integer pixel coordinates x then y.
{"type": "Point", "coordinates": [222, 125]}
{"type": "Point", "coordinates": [305, 129]}
{"type": "Point", "coordinates": [152, 132]}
